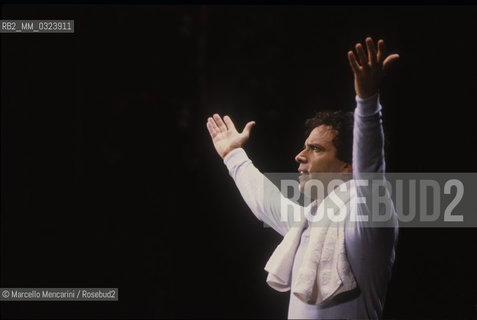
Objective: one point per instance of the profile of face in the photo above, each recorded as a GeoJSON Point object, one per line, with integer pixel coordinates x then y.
{"type": "Point", "coordinates": [319, 156]}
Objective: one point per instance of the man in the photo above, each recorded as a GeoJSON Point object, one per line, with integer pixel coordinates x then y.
{"type": "Point", "coordinates": [337, 143]}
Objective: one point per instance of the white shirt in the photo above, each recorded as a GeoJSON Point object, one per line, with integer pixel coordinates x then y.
{"type": "Point", "coordinates": [370, 251]}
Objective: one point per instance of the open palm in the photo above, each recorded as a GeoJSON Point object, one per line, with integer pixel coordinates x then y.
{"type": "Point", "coordinates": [224, 135]}
{"type": "Point", "coordinates": [369, 69]}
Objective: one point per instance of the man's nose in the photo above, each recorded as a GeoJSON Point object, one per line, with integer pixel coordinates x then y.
{"type": "Point", "coordinates": [300, 158]}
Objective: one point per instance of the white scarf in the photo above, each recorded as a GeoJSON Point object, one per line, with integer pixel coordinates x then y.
{"type": "Point", "coordinates": [325, 271]}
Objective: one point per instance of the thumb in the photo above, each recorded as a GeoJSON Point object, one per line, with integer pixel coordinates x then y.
{"type": "Point", "coordinates": [247, 128]}
{"type": "Point", "coordinates": [389, 60]}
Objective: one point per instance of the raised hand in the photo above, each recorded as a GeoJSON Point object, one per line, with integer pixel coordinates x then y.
{"type": "Point", "coordinates": [369, 69]}
{"type": "Point", "coordinates": [224, 135]}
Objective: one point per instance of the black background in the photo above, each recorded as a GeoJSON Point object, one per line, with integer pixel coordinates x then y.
{"type": "Point", "coordinates": [109, 177]}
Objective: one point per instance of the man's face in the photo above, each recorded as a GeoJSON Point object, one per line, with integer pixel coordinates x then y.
{"type": "Point", "coordinates": [319, 155]}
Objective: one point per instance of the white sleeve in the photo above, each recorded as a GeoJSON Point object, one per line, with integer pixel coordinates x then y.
{"type": "Point", "coordinates": [260, 194]}
{"type": "Point", "coordinates": [370, 250]}
{"type": "Point", "coordinates": [368, 136]}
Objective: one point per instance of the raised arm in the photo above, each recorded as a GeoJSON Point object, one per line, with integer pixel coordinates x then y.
{"type": "Point", "coordinates": [368, 138]}
{"type": "Point", "coordinates": [260, 194]}
{"type": "Point", "coordinates": [370, 250]}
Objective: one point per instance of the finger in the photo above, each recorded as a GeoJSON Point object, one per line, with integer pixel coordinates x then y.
{"type": "Point", "coordinates": [229, 123]}
{"type": "Point", "coordinates": [220, 123]}
{"type": "Point", "coordinates": [372, 59]}
{"type": "Point", "coordinates": [361, 55]}
{"type": "Point", "coordinates": [248, 127]}
{"type": "Point", "coordinates": [211, 129]}
{"type": "Point", "coordinates": [380, 50]}
{"type": "Point", "coordinates": [352, 62]}
{"type": "Point", "coordinates": [389, 60]}
{"type": "Point", "coordinates": [214, 125]}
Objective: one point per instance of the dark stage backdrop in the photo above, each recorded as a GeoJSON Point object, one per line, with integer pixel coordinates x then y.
{"type": "Point", "coordinates": [110, 179]}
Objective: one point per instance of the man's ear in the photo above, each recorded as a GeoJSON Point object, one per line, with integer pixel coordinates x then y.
{"type": "Point", "coordinates": [348, 168]}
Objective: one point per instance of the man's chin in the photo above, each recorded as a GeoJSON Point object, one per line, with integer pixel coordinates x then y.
{"type": "Point", "coordinates": [302, 179]}
{"type": "Point", "coordinates": [307, 192]}
{"type": "Point", "coordinates": [301, 187]}
{"type": "Point", "coordinates": [312, 185]}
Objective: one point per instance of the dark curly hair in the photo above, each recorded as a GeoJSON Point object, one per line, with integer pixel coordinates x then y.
{"type": "Point", "coordinates": [342, 123]}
